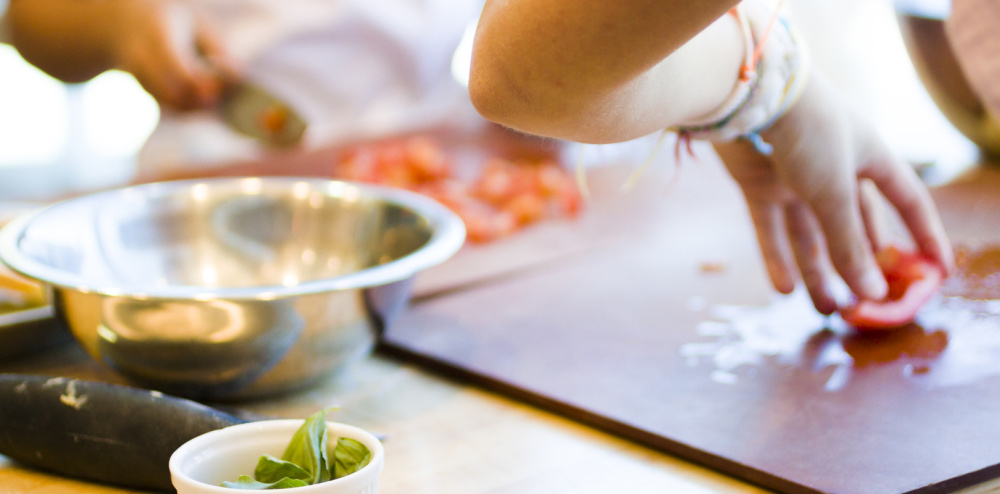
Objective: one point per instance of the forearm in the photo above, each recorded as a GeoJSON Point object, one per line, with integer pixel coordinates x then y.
{"type": "Point", "coordinates": [67, 39]}
{"type": "Point", "coordinates": [599, 71]}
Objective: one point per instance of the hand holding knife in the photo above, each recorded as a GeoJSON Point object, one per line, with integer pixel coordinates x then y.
{"type": "Point", "coordinates": [253, 111]}
{"type": "Point", "coordinates": [183, 63]}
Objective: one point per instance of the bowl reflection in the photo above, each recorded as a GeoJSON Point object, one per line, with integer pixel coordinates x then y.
{"type": "Point", "coordinates": [231, 287]}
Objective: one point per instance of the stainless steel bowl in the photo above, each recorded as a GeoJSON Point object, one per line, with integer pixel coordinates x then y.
{"type": "Point", "coordinates": [231, 288]}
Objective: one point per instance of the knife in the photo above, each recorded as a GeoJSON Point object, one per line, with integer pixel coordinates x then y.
{"type": "Point", "coordinates": [253, 111]}
{"type": "Point", "coordinates": [97, 431]}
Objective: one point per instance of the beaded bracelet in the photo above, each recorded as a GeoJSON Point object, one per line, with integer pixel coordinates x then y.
{"type": "Point", "coordinates": [771, 79]}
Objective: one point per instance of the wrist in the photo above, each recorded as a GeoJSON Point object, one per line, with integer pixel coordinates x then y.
{"type": "Point", "coordinates": [800, 118]}
{"type": "Point", "coordinates": [772, 79]}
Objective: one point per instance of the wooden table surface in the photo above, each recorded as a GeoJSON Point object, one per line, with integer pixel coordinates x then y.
{"type": "Point", "coordinates": [442, 437]}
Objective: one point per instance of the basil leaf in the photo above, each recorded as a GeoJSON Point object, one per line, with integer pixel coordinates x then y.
{"type": "Point", "coordinates": [270, 469]}
{"type": "Point", "coordinates": [307, 449]}
{"type": "Point", "coordinates": [324, 461]}
{"type": "Point", "coordinates": [348, 457]}
{"type": "Point", "coordinates": [244, 482]}
{"type": "Point", "coordinates": [247, 483]}
{"type": "Point", "coordinates": [305, 460]}
{"type": "Point", "coordinates": [287, 483]}
{"type": "Point", "coordinates": [326, 470]}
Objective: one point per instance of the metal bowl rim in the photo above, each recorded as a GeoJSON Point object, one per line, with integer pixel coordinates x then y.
{"type": "Point", "coordinates": [448, 235]}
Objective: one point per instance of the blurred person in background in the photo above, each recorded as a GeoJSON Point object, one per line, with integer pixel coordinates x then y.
{"type": "Point", "coordinates": [353, 69]}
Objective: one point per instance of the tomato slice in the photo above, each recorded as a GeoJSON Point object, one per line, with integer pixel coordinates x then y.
{"type": "Point", "coordinates": [912, 280]}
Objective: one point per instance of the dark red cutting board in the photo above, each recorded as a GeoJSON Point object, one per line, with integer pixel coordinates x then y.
{"type": "Point", "coordinates": [662, 327]}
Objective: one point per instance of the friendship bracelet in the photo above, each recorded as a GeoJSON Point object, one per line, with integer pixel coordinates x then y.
{"type": "Point", "coordinates": [771, 80]}
{"type": "Point", "coordinates": [744, 85]}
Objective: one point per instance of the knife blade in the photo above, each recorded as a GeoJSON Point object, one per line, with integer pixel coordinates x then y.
{"type": "Point", "coordinates": [97, 431]}
{"type": "Point", "coordinates": [253, 111]}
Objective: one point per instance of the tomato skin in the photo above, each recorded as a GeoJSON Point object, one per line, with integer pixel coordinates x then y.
{"type": "Point", "coordinates": [526, 208]}
{"type": "Point", "coordinates": [912, 280]}
{"type": "Point", "coordinates": [426, 160]}
{"type": "Point", "coordinates": [272, 119]}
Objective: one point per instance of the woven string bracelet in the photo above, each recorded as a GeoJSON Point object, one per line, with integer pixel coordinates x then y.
{"type": "Point", "coordinates": [771, 80]}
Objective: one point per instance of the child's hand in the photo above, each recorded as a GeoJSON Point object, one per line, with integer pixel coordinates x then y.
{"type": "Point", "coordinates": [807, 204]}
{"type": "Point", "coordinates": [170, 51]}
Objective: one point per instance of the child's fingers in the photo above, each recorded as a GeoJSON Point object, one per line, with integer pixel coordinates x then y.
{"type": "Point", "coordinates": [836, 210]}
{"type": "Point", "coordinates": [153, 81]}
{"type": "Point", "coordinates": [769, 222]}
{"type": "Point", "coordinates": [901, 186]}
{"type": "Point", "coordinates": [810, 255]}
{"type": "Point", "coordinates": [170, 62]}
{"type": "Point", "coordinates": [873, 213]}
{"type": "Point", "coordinates": [215, 53]}
{"type": "Point", "coordinates": [191, 79]}
{"type": "Point", "coordinates": [764, 196]}
{"type": "Point", "coordinates": [162, 73]}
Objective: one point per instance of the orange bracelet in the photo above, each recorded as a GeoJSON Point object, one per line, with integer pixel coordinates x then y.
{"type": "Point", "coordinates": [771, 79]}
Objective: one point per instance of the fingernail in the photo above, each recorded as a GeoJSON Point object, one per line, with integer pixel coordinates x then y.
{"type": "Point", "coordinates": [826, 307]}
{"type": "Point", "coordinates": [873, 285]}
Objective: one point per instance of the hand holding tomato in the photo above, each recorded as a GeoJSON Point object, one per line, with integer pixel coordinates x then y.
{"type": "Point", "coordinates": [806, 202]}
{"type": "Point", "coordinates": [912, 280]}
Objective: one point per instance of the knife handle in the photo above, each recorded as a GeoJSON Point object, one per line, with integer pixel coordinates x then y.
{"type": "Point", "coordinates": [98, 431]}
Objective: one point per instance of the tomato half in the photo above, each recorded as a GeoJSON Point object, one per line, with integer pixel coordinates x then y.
{"type": "Point", "coordinates": [912, 280]}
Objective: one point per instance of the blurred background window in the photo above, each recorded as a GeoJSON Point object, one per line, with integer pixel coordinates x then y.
{"type": "Point", "coordinates": [57, 139]}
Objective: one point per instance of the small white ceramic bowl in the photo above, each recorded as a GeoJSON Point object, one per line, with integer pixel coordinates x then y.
{"type": "Point", "coordinates": [203, 463]}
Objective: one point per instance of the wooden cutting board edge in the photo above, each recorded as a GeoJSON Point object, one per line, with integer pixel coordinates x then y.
{"type": "Point", "coordinates": [616, 428]}
{"type": "Point", "coordinates": [637, 435]}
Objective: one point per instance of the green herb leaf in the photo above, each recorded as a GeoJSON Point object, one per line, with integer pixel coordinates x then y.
{"type": "Point", "coordinates": [348, 457]}
{"type": "Point", "coordinates": [270, 469]}
{"type": "Point", "coordinates": [287, 484]}
{"type": "Point", "coordinates": [247, 483]}
{"type": "Point", "coordinates": [304, 462]}
{"type": "Point", "coordinates": [307, 449]}
{"type": "Point", "coordinates": [244, 482]}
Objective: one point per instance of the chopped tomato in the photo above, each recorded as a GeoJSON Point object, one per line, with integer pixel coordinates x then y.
{"type": "Point", "coordinates": [484, 223]}
{"type": "Point", "coordinates": [272, 119]}
{"type": "Point", "coordinates": [525, 208]}
{"type": "Point", "coordinates": [912, 280]}
{"type": "Point", "coordinates": [450, 192]}
{"type": "Point", "coordinates": [505, 196]}
{"type": "Point", "coordinates": [426, 159]}
{"type": "Point", "coordinates": [562, 190]}
{"type": "Point", "coordinates": [359, 165]}
{"type": "Point", "coordinates": [498, 182]}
